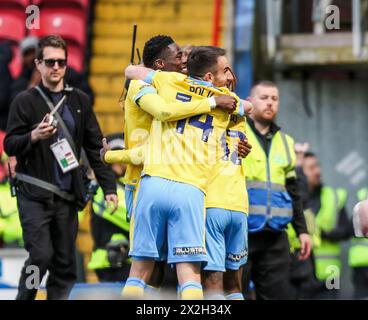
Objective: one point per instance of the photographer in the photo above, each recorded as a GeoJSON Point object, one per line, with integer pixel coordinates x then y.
{"type": "Point", "coordinates": [51, 185]}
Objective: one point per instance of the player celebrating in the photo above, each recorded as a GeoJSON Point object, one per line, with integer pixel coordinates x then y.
{"type": "Point", "coordinates": [170, 202]}
{"type": "Point", "coordinates": [160, 53]}
{"type": "Point", "coordinates": [227, 205]}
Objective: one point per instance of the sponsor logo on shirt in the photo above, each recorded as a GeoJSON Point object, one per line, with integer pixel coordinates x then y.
{"type": "Point", "coordinates": [183, 97]}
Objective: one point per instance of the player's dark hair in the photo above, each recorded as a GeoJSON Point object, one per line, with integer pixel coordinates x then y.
{"type": "Point", "coordinates": [154, 49]}
{"type": "Point", "coordinates": [51, 41]}
{"type": "Point", "coordinates": [309, 154]}
{"type": "Point", "coordinates": [203, 59]}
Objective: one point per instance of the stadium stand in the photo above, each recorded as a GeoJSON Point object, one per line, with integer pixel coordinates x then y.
{"type": "Point", "coordinates": [12, 29]}
{"type": "Point", "coordinates": [68, 18]}
{"type": "Point", "coordinates": [12, 24]}
{"type": "Point", "coordinates": [68, 23]}
{"type": "Point", "coordinates": [22, 4]}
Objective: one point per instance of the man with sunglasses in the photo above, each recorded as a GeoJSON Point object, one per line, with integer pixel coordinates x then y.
{"type": "Point", "coordinates": [50, 182]}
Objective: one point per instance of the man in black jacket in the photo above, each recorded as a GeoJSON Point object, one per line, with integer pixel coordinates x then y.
{"type": "Point", "coordinates": [49, 221]}
{"type": "Point", "coordinates": [328, 205]}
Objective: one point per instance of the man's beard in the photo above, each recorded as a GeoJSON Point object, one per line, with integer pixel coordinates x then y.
{"type": "Point", "coordinates": [263, 121]}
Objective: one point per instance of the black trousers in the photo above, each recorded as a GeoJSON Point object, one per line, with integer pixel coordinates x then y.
{"type": "Point", "coordinates": [360, 280]}
{"type": "Point", "coordinates": [303, 279]}
{"type": "Point", "coordinates": [49, 233]}
{"type": "Point", "coordinates": [268, 265]}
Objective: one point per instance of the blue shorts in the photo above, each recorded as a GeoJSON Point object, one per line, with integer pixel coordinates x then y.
{"type": "Point", "coordinates": [226, 239]}
{"type": "Point", "coordinates": [168, 222]}
{"type": "Point", "coordinates": [129, 199]}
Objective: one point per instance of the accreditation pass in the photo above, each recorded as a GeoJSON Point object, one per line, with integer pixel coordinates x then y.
{"type": "Point", "coordinates": [64, 155]}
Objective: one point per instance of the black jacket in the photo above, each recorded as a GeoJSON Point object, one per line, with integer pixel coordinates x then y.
{"type": "Point", "coordinates": [26, 111]}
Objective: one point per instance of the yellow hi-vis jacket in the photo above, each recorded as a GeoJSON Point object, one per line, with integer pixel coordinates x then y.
{"type": "Point", "coordinates": [269, 202]}
{"type": "Point", "coordinates": [118, 218]}
{"type": "Point", "coordinates": [312, 228]}
{"type": "Point", "coordinates": [10, 227]}
{"type": "Point", "coordinates": [328, 253]}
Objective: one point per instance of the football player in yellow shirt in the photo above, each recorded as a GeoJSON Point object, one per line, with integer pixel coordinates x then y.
{"type": "Point", "coordinates": [227, 204]}
{"type": "Point", "coordinates": [226, 219]}
{"type": "Point", "coordinates": [170, 202]}
{"type": "Point", "coordinates": [226, 209]}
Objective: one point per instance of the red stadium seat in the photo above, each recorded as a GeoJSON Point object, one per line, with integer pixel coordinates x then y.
{"type": "Point", "coordinates": [75, 57]}
{"type": "Point", "coordinates": [12, 26]}
{"type": "Point", "coordinates": [67, 23]}
{"type": "Point", "coordinates": [82, 4]}
{"type": "Point", "coordinates": [12, 3]}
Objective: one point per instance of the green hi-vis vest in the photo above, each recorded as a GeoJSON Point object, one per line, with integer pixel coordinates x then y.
{"type": "Point", "coordinates": [358, 252]}
{"type": "Point", "coordinates": [312, 228]}
{"type": "Point", "coordinates": [328, 253]}
{"type": "Point", "coordinates": [99, 257]}
{"type": "Point", "coordinates": [118, 218]}
{"type": "Point", "coordinates": [269, 202]}
{"type": "Point", "coordinates": [10, 227]}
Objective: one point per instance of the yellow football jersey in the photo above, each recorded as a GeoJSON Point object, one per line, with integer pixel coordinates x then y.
{"type": "Point", "coordinates": [227, 187]}
{"type": "Point", "coordinates": [186, 150]}
{"type": "Point", "coordinates": [141, 105]}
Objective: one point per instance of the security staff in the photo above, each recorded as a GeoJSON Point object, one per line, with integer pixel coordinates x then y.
{"type": "Point", "coordinates": [274, 200]}
{"type": "Point", "coordinates": [358, 258]}
{"type": "Point", "coordinates": [302, 273]}
{"type": "Point", "coordinates": [328, 204]}
{"type": "Point", "coordinates": [110, 232]}
{"type": "Point", "coordinates": [50, 180]}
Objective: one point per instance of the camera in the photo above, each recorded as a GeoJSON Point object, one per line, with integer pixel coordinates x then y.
{"type": "Point", "coordinates": [51, 121]}
{"type": "Point", "coordinates": [91, 189]}
{"type": "Point", "coordinates": [117, 252]}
